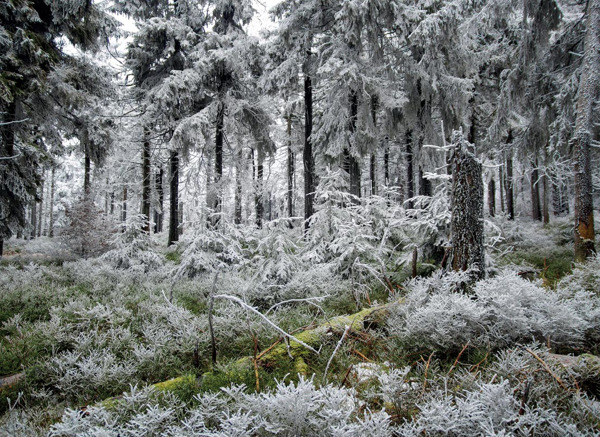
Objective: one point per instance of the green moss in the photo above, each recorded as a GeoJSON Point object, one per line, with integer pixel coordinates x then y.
{"type": "Point", "coordinates": [174, 257]}
{"type": "Point", "coordinates": [552, 265]}
{"type": "Point", "coordinates": [300, 366]}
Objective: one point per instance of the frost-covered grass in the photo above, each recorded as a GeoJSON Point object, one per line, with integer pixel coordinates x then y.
{"type": "Point", "coordinates": [446, 357]}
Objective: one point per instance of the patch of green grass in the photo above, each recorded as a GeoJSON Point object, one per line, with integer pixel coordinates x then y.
{"type": "Point", "coordinates": [552, 265]}
{"type": "Point", "coordinates": [174, 257]}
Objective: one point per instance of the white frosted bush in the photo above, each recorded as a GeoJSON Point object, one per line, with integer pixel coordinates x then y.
{"type": "Point", "coordinates": [500, 311]}
{"type": "Point", "coordinates": [490, 410]}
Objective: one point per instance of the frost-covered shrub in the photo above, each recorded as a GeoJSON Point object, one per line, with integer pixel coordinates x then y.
{"type": "Point", "coordinates": [290, 410]}
{"type": "Point", "coordinates": [89, 231]}
{"type": "Point", "coordinates": [491, 409]}
{"type": "Point", "coordinates": [133, 248]}
{"type": "Point", "coordinates": [502, 310]}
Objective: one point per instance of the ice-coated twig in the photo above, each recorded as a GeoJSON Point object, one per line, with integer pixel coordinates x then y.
{"type": "Point", "coordinates": [265, 318]}
{"type": "Point", "coordinates": [308, 300]}
{"type": "Point", "coordinates": [335, 351]}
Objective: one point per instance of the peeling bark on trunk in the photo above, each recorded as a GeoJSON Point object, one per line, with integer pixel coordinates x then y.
{"type": "Point", "coordinates": [589, 86]}
{"type": "Point", "coordinates": [174, 198]}
{"type": "Point", "coordinates": [467, 209]}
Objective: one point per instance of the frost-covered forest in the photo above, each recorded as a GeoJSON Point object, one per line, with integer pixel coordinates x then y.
{"type": "Point", "coordinates": [299, 217]}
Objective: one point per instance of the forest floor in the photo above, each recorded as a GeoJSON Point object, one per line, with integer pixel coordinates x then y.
{"type": "Point", "coordinates": [95, 347]}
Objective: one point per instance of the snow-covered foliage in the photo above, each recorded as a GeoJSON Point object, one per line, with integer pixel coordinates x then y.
{"type": "Point", "coordinates": [500, 311]}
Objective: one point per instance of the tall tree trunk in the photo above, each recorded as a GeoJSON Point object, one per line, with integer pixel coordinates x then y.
{"type": "Point", "coordinates": [290, 168]}
{"type": "Point", "coordinates": [589, 85]}
{"type": "Point", "coordinates": [492, 197]}
{"type": "Point", "coordinates": [545, 202]}
{"type": "Point", "coordinates": [51, 202]}
{"type": "Point", "coordinates": [501, 183]}
{"type": "Point", "coordinates": [510, 197]}
{"type": "Point", "coordinates": [218, 201]}
{"type": "Point", "coordinates": [307, 155]}
{"type": "Point", "coordinates": [410, 186]}
{"type": "Point", "coordinates": [160, 191]}
{"type": "Point", "coordinates": [467, 209]}
{"type": "Point", "coordinates": [87, 169]}
{"type": "Point", "coordinates": [124, 206]}
{"type": "Point", "coordinates": [146, 187]}
{"type": "Point", "coordinates": [536, 207]}
{"type": "Point", "coordinates": [386, 165]}
{"type": "Point", "coordinates": [41, 209]}
{"type": "Point", "coordinates": [372, 167]}
{"type": "Point", "coordinates": [7, 149]}
{"type": "Point", "coordinates": [33, 218]}
{"type": "Point", "coordinates": [350, 163]}
{"type": "Point", "coordinates": [238, 188]}
{"type": "Point", "coordinates": [112, 203]}
{"type": "Point", "coordinates": [174, 198]}
{"type": "Point", "coordinates": [259, 198]}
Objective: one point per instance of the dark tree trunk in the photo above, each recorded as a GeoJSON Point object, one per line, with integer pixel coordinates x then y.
{"type": "Point", "coordinates": [259, 198]}
{"type": "Point", "coordinates": [238, 188]}
{"type": "Point", "coordinates": [510, 207]}
{"type": "Point", "coordinates": [467, 209]}
{"type": "Point", "coordinates": [174, 198]}
{"type": "Point", "coordinates": [351, 164]}
{"type": "Point", "coordinates": [51, 203]}
{"type": "Point", "coordinates": [41, 209]}
{"type": "Point", "coordinates": [536, 207]}
{"type": "Point", "coordinates": [124, 206]}
{"type": "Point", "coordinates": [112, 202]}
{"type": "Point", "coordinates": [33, 219]}
{"type": "Point", "coordinates": [372, 166]}
{"type": "Point", "coordinates": [307, 155]}
{"type": "Point", "coordinates": [160, 191]}
{"type": "Point", "coordinates": [218, 164]}
{"type": "Point", "coordinates": [146, 182]}
{"type": "Point", "coordinates": [501, 183]}
{"type": "Point", "coordinates": [87, 168]}
{"type": "Point", "coordinates": [589, 86]}
{"type": "Point", "coordinates": [291, 169]}
{"type": "Point", "coordinates": [410, 186]}
{"type": "Point", "coordinates": [386, 165]}
{"type": "Point", "coordinates": [492, 197]}
{"type": "Point", "coordinates": [545, 202]}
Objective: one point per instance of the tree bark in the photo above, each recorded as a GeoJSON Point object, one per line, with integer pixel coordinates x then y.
{"type": "Point", "coordinates": [291, 169]}
{"type": "Point", "coordinates": [410, 186]}
{"type": "Point", "coordinates": [467, 209]}
{"type": "Point", "coordinates": [307, 154]}
{"type": "Point", "coordinates": [492, 197]}
{"type": "Point", "coordinates": [238, 188]}
{"type": "Point", "coordinates": [33, 218]}
{"type": "Point", "coordinates": [536, 208]}
{"type": "Point", "coordinates": [258, 197]}
{"type": "Point", "coordinates": [501, 183]}
{"type": "Point", "coordinates": [146, 182]}
{"type": "Point", "coordinates": [160, 191]}
{"type": "Point", "coordinates": [350, 163]}
{"type": "Point", "coordinates": [124, 206]}
{"type": "Point", "coordinates": [87, 168]}
{"type": "Point", "coordinates": [510, 206]}
{"type": "Point", "coordinates": [41, 210]}
{"type": "Point", "coordinates": [217, 206]}
{"type": "Point", "coordinates": [372, 166]}
{"type": "Point", "coordinates": [51, 206]}
{"type": "Point", "coordinates": [174, 198]}
{"type": "Point", "coordinates": [589, 85]}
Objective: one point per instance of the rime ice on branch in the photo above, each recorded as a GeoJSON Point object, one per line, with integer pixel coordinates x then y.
{"type": "Point", "coordinates": [467, 208]}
